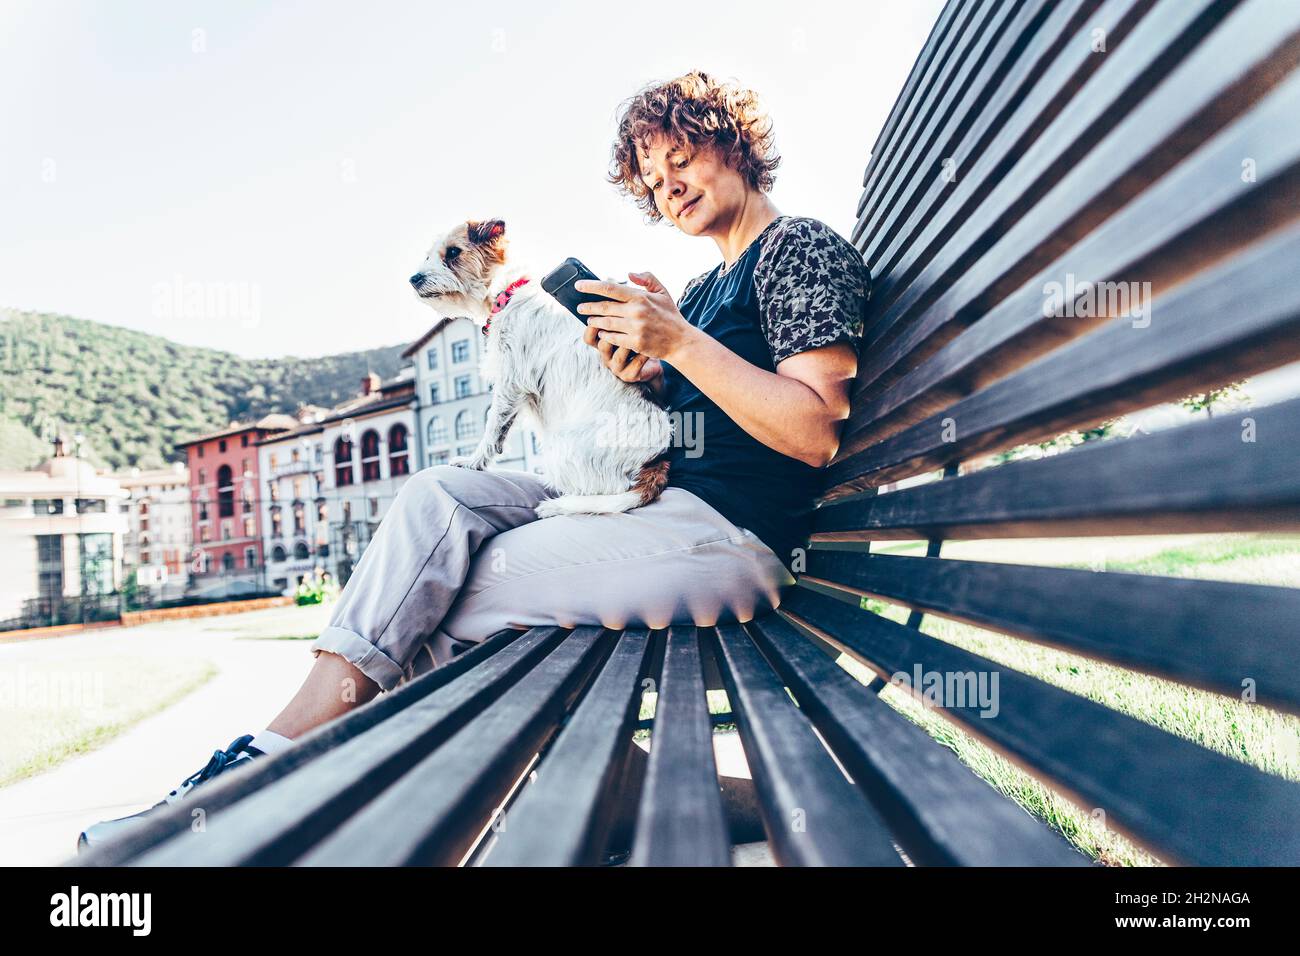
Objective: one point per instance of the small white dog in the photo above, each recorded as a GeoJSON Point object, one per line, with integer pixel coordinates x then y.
{"type": "Point", "coordinates": [604, 439]}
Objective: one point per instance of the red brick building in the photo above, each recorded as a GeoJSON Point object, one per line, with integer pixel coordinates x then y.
{"type": "Point", "coordinates": [226, 556]}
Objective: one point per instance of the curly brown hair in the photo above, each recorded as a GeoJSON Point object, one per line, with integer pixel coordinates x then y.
{"type": "Point", "coordinates": [695, 111]}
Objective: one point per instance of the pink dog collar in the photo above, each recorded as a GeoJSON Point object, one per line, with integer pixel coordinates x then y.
{"type": "Point", "coordinates": [503, 299]}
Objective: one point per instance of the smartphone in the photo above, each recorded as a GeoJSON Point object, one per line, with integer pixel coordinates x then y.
{"type": "Point", "coordinates": [559, 283]}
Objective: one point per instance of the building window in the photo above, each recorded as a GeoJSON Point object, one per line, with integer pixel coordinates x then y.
{"type": "Point", "coordinates": [96, 563]}
{"type": "Point", "coordinates": [370, 456]}
{"type": "Point", "coordinates": [462, 386]}
{"type": "Point", "coordinates": [437, 431]}
{"type": "Point", "coordinates": [91, 506]}
{"type": "Point", "coordinates": [465, 450]}
{"type": "Point", "coordinates": [299, 518]}
{"type": "Point", "coordinates": [250, 557]}
{"type": "Point", "coordinates": [205, 533]}
{"type": "Point", "coordinates": [47, 506]}
{"type": "Point", "coordinates": [144, 557]}
{"type": "Point", "coordinates": [200, 451]}
{"type": "Point", "coordinates": [278, 553]}
{"type": "Point", "coordinates": [374, 507]}
{"type": "Point", "coordinates": [227, 561]}
{"type": "Point", "coordinates": [225, 492]}
{"type": "Point", "coordinates": [347, 513]}
{"type": "Point", "coordinates": [433, 359]}
{"type": "Point", "coordinates": [250, 528]}
{"type": "Point", "coordinates": [439, 458]}
{"type": "Point", "coordinates": [465, 426]}
{"type": "Point", "coordinates": [225, 531]}
{"type": "Point", "coordinates": [243, 441]}
{"type": "Point", "coordinates": [435, 394]}
{"type": "Point", "coordinates": [342, 462]}
{"type": "Point", "coordinates": [322, 513]}
{"type": "Point", "coordinates": [398, 459]}
{"type": "Point", "coordinates": [299, 488]}
{"type": "Point", "coordinates": [276, 522]}
{"type": "Point", "coordinates": [460, 351]}
{"type": "Point", "coordinates": [300, 551]}
{"type": "Point", "coordinates": [221, 445]}
{"type": "Point", "coordinates": [49, 549]}
{"type": "Point", "coordinates": [203, 477]}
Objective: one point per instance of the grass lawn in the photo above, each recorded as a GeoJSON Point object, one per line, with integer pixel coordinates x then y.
{"type": "Point", "coordinates": [58, 709]}
{"type": "Point", "coordinates": [1247, 732]}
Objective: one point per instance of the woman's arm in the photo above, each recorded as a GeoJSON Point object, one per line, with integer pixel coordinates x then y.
{"type": "Point", "coordinates": [798, 410]}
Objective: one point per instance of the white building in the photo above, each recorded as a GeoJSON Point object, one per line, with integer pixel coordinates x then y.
{"type": "Point", "coordinates": [369, 449]}
{"type": "Point", "coordinates": [158, 537]}
{"type": "Point", "coordinates": [62, 528]}
{"type": "Point", "coordinates": [293, 501]}
{"type": "Point", "coordinates": [454, 400]}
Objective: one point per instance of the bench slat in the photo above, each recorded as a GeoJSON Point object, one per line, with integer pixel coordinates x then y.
{"type": "Point", "coordinates": [1210, 634]}
{"type": "Point", "coordinates": [1190, 219]}
{"type": "Point", "coordinates": [1150, 102]}
{"type": "Point", "coordinates": [680, 821]}
{"type": "Point", "coordinates": [982, 74]}
{"type": "Point", "coordinates": [1199, 477]}
{"type": "Point", "coordinates": [1115, 370]}
{"type": "Point", "coordinates": [277, 820]}
{"type": "Point", "coordinates": [225, 791]}
{"type": "Point", "coordinates": [812, 814]}
{"type": "Point", "coordinates": [1187, 803]}
{"type": "Point", "coordinates": [1045, 49]}
{"type": "Point", "coordinates": [940, 812]}
{"type": "Point", "coordinates": [987, 24]}
{"type": "Point", "coordinates": [947, 36]}
{"type": "Point", "coordinates": [561, 819]}
{"type": "Point", "coordinates": [433, 813]}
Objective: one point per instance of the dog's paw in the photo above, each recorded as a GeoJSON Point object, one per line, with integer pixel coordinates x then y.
{"type": "Point", "coordinates": [550, 508]}
{"type": "Point", "coordinates": [472, 462]}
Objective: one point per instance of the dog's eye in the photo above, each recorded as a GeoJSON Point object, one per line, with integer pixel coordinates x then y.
{"type": "Point", "coordinates": [451, 253]}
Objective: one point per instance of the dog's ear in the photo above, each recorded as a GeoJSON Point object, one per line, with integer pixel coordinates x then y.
{"type": "Point", "coordinates": [486, 231]}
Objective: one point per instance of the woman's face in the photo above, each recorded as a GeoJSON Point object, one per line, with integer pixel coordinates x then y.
{"type": "Point", "coordinates": [698, 193]}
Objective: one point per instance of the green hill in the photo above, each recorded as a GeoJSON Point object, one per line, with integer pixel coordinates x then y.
{"type": "Point", "coordinates": [135, 395]}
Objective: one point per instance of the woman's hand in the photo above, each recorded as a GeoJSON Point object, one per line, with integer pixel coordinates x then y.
{"type": "Point", "coordinates": [641, 368]}
{"type": "Point", "coordinates": [642, 319]}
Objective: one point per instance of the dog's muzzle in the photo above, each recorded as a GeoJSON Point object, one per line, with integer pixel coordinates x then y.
{"type": "Point", "coordinates": [418, 280]}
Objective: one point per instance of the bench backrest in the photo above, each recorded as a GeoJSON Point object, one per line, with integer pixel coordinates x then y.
{"type": "Point", "coordinates": [1077, 210]}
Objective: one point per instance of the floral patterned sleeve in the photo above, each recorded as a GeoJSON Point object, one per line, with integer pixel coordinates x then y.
{"type": "Point", "coordinates": [812, 288]}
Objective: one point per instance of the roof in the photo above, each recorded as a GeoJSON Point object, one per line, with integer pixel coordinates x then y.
{"type": "Point", "coordinates": [272, 422]}
{"type": "Point", "coordinates": [423, 339]}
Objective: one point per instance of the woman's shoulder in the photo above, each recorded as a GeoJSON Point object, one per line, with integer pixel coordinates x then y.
{"type": "Point", "coordinates": [801, 252]}
{"type": "Point", "coordinates": [806, 241]}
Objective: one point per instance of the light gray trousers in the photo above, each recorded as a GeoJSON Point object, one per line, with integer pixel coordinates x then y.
{"type": "Point", "coordinates": [461, 555]}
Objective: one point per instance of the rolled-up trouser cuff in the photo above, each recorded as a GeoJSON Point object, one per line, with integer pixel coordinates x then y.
{"type": "Point", "coordinates": [363, 655]}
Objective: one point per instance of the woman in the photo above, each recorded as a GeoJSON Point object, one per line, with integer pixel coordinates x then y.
{"type": "Point", "coordinates": [757, 358]}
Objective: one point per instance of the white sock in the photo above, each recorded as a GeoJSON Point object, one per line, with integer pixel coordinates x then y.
{"type": "Point", "coordinates": [270, 743]}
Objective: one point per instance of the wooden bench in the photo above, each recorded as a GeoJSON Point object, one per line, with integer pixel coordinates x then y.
{"type": "Point", "coordinates": [1125, 141]}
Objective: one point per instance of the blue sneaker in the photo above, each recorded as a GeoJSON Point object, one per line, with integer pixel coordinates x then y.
{"type": "Point", "coordinates": [238, 754]}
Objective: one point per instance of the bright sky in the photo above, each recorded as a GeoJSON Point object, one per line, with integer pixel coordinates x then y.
{"type": "Point", "coordinates": [264, 177]}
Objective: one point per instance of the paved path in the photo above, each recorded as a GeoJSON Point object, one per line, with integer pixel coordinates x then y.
{"type": "Point", "coordinates": [41, 816]}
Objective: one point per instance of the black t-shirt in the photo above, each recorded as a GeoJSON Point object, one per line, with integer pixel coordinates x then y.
{"type": "Point", "coordinates": [798, 286]}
